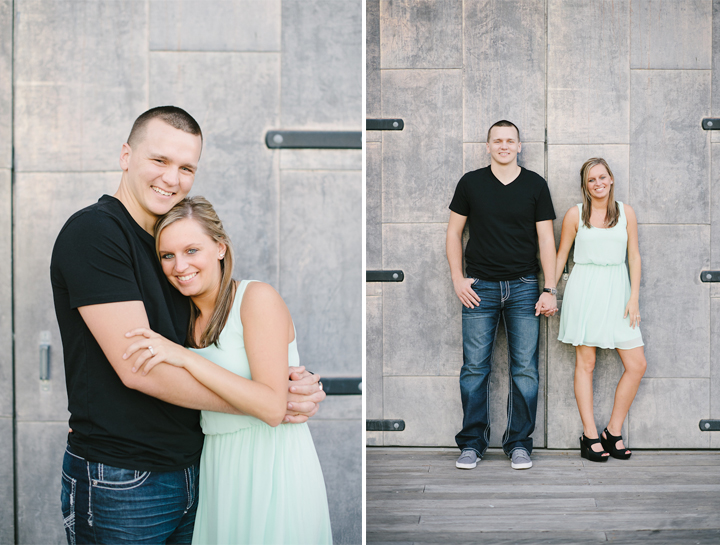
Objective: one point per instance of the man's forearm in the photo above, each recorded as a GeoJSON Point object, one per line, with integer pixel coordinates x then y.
{"type": "Point", "coordinates": [453, 248]}
{"type": "Point", "coordinates": [548, 264]}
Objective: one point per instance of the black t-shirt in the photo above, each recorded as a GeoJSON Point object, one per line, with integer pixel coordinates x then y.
{"type": "Point", "coordinates": [103, 256]}
{"type": "Point", "coordinates": [503, 235]}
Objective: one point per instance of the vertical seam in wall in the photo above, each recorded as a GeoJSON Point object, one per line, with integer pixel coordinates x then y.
{"type": "Point", "coordinates": [149, 52]}
{"type": "Point", "coordinates": [382, 245]}
{"type": "Point", "coordinates": [12, 267]}
{"type": "Point", "coordinates": [547, 325]}
{"type": "Point", "coordinates": [712, 260]}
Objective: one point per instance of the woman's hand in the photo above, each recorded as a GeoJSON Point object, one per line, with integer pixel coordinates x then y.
{"type": "Point", "coordinates": [153, 349]}
{"type": "Point", "coordinates": [304, 395]}
{"type": "Point", "coordinates": [633, 310]}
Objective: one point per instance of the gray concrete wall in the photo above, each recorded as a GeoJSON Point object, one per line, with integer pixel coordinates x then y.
{"type": "Point", "coordinates": [7, 522]}
{"type": "Point", "coordinates": [627, 80]}
{"type": "Point", "coordinates": [82, 72]}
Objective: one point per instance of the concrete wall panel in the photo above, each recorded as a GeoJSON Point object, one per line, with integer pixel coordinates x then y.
{"type": "Point", "coordinates": [715, 216]}
{"type": "Point", "coordinates": [63, 83]}
{"type": "Point", "coordinates": [409, 398]}
{"type": "Point", "coordinates": [215, 25]}
{"type": "Point", "coordinates": [675, 329]}
{"type": "Point", "coordinates": [6, 80]}
{"type": "Point", "coordinates": [716, 66]}
{"type": "Point", "coordinates": [38, 484]}
{"type": "Point", "coordinates": [320, 159]}
{"type": "Point", "coordinates": [565, 425]}
{"type": "Point", "coordinates": [320, 266]}
{"type": "Point", "coordinates": [504, 67]}
{"type": "Point", "coordinates": [588, 72]}
{"type": "Point", "coordinates": [320, 40]}
{"type": "Point", "coordinates": [373, 206]}
{"type": "Point", "coordinates": [373, 106]}
{"type": "Point", "coordinates": [6, 321]}
{"type": "Point", "coordinates": [237, 172]}
{"type": "Point", "coordinates": [671, 34]}
{"type": "Point", "coordinates": [421, 164]}
{"type": "Point", "coordinates": [420, 33]}
{"type": "Point", "coordinates": [421, 315]}
{"type": "Point", "coordinates": [564, 164]}
{"type": "Point", "coordinates": [373, 387]}
{"type": "Point", "coordinates": [344, 486]}
{"type": "Point", "coordinates": [669, 153]}
{"type": "Point", "coordinates": [659, 401]}
{"type": "Point", "coordinates": [714, 364]}
{"type": "Point", "coordinates": [7, 487]}
{"type": "Point", "coordinates": [714, 368]}
{"type": "Point", "coordinates": [37, 222]}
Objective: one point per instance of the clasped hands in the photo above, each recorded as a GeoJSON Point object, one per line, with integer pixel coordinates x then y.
{"type": "Point", "coordinates": [304, 388]}
{"type": "Point", "coordinates": [546, 305]}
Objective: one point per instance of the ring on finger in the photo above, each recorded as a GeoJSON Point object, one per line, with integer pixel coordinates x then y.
{"type": "Point", "coordinates": [151, 350]}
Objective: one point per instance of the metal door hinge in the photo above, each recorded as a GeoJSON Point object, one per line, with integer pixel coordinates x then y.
{"type": "Point", "coordinates": [710, 425]}
{"type": "Point", "coordinates": [384, 124]}
{"type": "Point", "coordinates": [314, 139]}
{"type": "Point", "coordinates": [384, 276]}
{"type": "Point", "coordinates": [384, 425]}
{"type": "Point", "coordinates": [342, 386]}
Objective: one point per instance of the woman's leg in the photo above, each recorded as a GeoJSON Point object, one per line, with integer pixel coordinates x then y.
{"type": "Point", "coordinates": [634, 362]}
{"type": "Point", "coordinates": [584, 367]}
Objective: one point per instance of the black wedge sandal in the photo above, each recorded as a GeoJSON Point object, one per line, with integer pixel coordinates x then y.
{"type": "Point", "coordinates": [609, 443]}
{"type": "Point", "coordinates": [586, 450]}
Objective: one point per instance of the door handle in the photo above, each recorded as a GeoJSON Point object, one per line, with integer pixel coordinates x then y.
{"type": "Point", "coordinates": [45, 360]}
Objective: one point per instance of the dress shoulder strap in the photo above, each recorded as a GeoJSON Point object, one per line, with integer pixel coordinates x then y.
{"type": "Point", "coordinates": [622, 217]}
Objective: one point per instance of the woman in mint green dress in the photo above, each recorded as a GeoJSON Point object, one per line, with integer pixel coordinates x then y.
{"type": "Point", "coordinates": [252, 470]}
{"type": "Point", "coordinates": [600, 305]}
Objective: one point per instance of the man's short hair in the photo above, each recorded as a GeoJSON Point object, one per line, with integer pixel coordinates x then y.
{"type": "Point", "coordinates": [172, 115]}
{"type": "Point", "coordinates": [503, 123]}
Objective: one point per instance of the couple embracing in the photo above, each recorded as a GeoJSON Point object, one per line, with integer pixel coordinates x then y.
{"type": "Point", "coordinates": [510, 213]}
{"type": "Point", "coordinates": [154, 331]}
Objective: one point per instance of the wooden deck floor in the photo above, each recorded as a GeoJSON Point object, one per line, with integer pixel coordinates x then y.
{"type": "Point", "coordinates": [660, 497]}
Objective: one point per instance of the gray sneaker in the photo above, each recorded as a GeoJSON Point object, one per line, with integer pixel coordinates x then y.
{"type": "Point", "coordinates": [468, 459]}
{"type": "Point", "coordinates": [520, 459]}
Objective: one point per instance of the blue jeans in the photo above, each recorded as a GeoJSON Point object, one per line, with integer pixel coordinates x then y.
{"type": "Point", "coordinates": [514, 301]}
{"type": "Point", "coordinates": [104, 504]}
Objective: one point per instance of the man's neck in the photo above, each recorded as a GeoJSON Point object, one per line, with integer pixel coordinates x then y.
{"type": "Point", "coordinates": [505, 173]}
{"type": "Point", "coordinates": [141, 217]}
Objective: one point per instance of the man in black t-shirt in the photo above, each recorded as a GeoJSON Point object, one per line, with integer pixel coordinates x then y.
{"type": "Point", "coordinates": [510, 215]}
{"type": "Point", "coordinates": [130, 467]}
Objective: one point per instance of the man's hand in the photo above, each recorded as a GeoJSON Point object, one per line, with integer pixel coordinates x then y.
{"type": "Point", "coordinates": [465, 292]}
{"type": "Point", "coordinates": [304, 397]}
{"type": "Point", "coordinates": [546, 305]}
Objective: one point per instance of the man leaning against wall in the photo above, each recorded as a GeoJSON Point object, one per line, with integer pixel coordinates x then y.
{"type": "Point", "coordinates": [509, 213]}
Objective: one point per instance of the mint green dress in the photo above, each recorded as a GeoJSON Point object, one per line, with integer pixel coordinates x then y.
{"type": "Point", "coordinates": [258, 484]}
{"type": "Point", "coordinates": [598, 290]}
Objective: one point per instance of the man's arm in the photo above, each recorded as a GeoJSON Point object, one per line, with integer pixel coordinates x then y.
{"type": "Point", "coordinates": [453, 248]}
{"type": "Point", "coordinates": [547, 303]}
{"type": "Point", "coordinates": [110, 321]}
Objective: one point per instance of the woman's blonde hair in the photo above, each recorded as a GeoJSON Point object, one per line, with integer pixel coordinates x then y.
{"type": "Point", "coordinates": [199, 209]}
{"type": "Point", "coordinates": [613, 209]}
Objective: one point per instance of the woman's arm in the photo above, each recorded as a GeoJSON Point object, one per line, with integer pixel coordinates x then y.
{"type": "Point", "coordinates": [633, 306]}
{"type": "Point", "coordinates": [567, 237]}
{"type": "Point", "coordinates": [267, 327]}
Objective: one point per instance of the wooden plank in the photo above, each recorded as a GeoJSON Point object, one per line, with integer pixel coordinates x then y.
{"type": "Point", "coordinates": [663, 497]}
